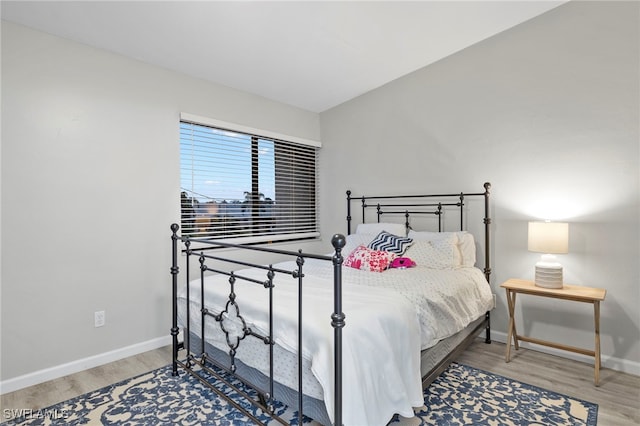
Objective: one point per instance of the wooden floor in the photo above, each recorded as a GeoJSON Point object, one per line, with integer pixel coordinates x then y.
{"type": "Point", "coordinates": [618, 395]}
{"type": "Point", "coordinates": [58, 390]}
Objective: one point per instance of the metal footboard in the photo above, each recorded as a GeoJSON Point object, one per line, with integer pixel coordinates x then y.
{"type": "Point", "coordinates": [232, 316]}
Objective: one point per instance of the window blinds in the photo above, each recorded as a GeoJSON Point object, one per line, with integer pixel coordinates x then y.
{"type": "Point", "coordinates": [246, 186]}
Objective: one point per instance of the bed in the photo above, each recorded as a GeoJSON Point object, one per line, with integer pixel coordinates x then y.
{"type": "Point", "coordinates": [371, 336]}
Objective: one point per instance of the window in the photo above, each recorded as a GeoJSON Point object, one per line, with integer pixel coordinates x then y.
{"type": "Point", "coordinates": [238, 184]}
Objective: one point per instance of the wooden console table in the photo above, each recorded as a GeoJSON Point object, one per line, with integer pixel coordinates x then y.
{"type": "Point", "coordinates": [568, 292]}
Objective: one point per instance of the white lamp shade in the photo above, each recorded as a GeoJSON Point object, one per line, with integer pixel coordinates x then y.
{"type": "Point", "coordinates": [549, 237]}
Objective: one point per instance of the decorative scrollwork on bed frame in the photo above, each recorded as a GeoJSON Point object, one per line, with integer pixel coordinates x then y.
{"type": "Point", "coordinates": [234, 326]}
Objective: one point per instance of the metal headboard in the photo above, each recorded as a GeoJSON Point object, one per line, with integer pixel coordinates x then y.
{"type": "Point", "coordinates": [427, 204]}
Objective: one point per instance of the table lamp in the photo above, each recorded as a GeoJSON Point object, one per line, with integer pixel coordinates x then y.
{"type": "Point", "coordinates": [549, 238]}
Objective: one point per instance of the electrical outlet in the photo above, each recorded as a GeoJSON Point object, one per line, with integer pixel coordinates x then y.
{"type": "Point", "coordinates": [99, 318]}
{"type": "Point", "coordinates": [495, 301]}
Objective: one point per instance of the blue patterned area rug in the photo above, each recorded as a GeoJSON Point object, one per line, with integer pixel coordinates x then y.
{"type": "Point", "coordinates": [464, 395]}
{"type": "Point", "coordinates": [461, 395]}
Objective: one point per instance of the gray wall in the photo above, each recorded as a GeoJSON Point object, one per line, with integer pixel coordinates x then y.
{"type": "Point", "coordinates": [548, 113]}
{"type": "Point", "coordinates": [90, 185]}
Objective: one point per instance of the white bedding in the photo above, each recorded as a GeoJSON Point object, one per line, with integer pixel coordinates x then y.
{"type": "Point", "coordinates": [381, 336]}
{"type": "Point", "coordinates": [445, 300]}
{"type": "Point", "coordinates": [385, 314]}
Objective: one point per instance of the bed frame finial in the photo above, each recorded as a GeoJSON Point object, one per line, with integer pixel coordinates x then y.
{"type": "Point", "coordinates": [348, 211]}
{"type": "Point", "coordinates": [338, 241]}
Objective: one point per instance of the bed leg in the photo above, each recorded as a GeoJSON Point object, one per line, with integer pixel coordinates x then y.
{"type": "Point", "coordinates": [487, 330]}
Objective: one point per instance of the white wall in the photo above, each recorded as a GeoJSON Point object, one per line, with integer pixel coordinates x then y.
{"type": "Point", "coordinates": [548, 113]}
{"type": "Point", "coordinates": [90, 185]}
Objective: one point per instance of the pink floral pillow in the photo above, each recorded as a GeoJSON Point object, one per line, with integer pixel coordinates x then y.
{"type": "Point", "coordinates": [367, 259]}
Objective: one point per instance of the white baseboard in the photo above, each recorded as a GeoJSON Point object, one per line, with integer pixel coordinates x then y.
{"type": "Point", "coordinates": [613, 363]}
{"type": "Point", "coordinates": [58, 371]}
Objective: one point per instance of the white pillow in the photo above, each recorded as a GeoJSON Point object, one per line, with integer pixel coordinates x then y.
{"type": "Point", "coordinates": [434, 236]}
{"type": "Point", "coordinates": [463, 239]}
{"type": "Point", "coordinates": [467, 245]}
{"type": "Point", "coordinates": [375, 228]}
{"type": "Point", "coordinates": [355, 240]}
{"type": "Point", "coordinates": [435, 254]}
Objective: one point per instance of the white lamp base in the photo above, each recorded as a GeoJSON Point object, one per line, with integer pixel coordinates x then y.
{"type": "Point", "coordinates": [548, 272]}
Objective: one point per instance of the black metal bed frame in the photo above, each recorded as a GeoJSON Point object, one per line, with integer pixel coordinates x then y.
{"type": "Point", "coordinates": [410, 205]}
{"type": "Point", "coordinates": [202, 361]}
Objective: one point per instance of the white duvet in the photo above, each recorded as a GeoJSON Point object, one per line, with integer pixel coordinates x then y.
{"type": "Point", "coordinates": [390, 316]}
{"type": "Point", "coordinates": [445, 300]}
{"type": "Point", "coordinates": [381, 344]}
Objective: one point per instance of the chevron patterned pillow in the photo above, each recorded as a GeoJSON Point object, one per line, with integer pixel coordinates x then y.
{"type": "Point", "coordinates": [389, 242]}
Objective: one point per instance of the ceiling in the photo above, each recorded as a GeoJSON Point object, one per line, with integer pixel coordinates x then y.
{"type": "Point", "coordinates": [312, 55]}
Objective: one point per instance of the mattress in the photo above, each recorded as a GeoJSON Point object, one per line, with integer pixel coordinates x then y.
{"type": "Point", "coordinates": [312, 407]}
